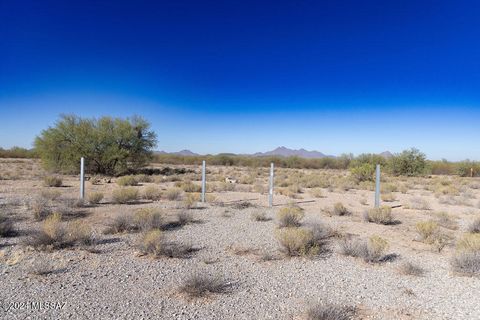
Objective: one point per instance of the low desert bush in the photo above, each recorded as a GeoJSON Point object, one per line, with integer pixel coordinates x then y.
{"type": "Point", "coordinates": [52, 181]}
{"type": "Point", "coordinates": [52, 235]}
{"type": "Point", "coordinates": [7, 228]}
{"type": "Point", "coordinates": [125, 195]}
{"type": "Point", "coordinates": [466, 263]}
{"type": "Point", "coordinates": [122, 222]}
{"type": "Point", "coordinates": [151, 243]}
{"type": "Point", "coordinates": [290, 216]}
{"type": "Point", "coordinates": [259, 216]}
{"type": "Point", "coordinates": [80, 232]}
{"type": "Point", "coordinates": [41, 266]}
{"type": "Point", "coordinates": [147, 219]}
{"type": "Point", "coordinates": [363, 172]}
{"type": "Point", "coordinates": [40, 209]}
{"type": "Point", "coordinates": [173, 194]}
{"type": "Point", "coordinates": [302, 241]}
{"type": "Point", "coordinates": [127, 181]}
{"type": "Point", "coordinates": [191, 199]}
{"type": "Point", "coordinates": [381, 215]}
{"type": "Point", "coordinates": [445, 220]}
{"type": "Point", "coordinates": [469, 242]}
{"type": "Point", "coordinates": [188, 186]}
{"type": "Point", "coordinates": [474, 226]}
{"type": "Point", "coordinates": [330, 312]}
{"type": "Point", "coordinates": [410, 269]}
{"type": "Point", "coordinates": [143, 178]}
{"type": "Point", "coordinates": [418, 203]}
{"type": "Point", "coordinates": [201, 285]}
{"type": "Point", "coordinates": [340, 210]}
{"type": "Point", "coordinates": [388, 197]}
{"type": "Point", "coordinates": [95, 197]}
{"type": "Point", "coordinates": [427, 230]}
{"type": "Point", "coordinates": [371, 250]}
{"type": "Point", "coordinates": [184, 217]}
{"type": "Point", "coordinates": [317, 193]}
{"type": "Point", "coordinates": [152, 193]}
{"type": "Point", "coordinates": [51, 195]}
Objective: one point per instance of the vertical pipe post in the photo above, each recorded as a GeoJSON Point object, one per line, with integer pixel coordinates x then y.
{"type": "Point", "coordinates": [270, 191]}
{"type": "Point", "coordinates": [204, 182]}
{"type": "Point", "coordinates": [82, 178]}
{"type": "Point", "coordinates": [377, 187]}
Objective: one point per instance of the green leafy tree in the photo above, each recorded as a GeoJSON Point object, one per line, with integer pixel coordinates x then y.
{"type": "Point", "coordinates": [408, 163]}
{"type": "Point", "coordinates": [109, 145]}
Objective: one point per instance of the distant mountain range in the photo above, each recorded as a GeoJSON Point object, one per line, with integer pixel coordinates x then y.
{"type": "Point", "coordinates": [278, 152]}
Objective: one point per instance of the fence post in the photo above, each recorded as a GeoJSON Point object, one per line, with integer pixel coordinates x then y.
{"type": "Point", "coordinates": [82, 178]}
{"type": "Point", "coordinates": [204, 182]}
{"type": "Point", "coordinates": [377, 187]}
{"type": "Point", "coordinates": [270, 191]}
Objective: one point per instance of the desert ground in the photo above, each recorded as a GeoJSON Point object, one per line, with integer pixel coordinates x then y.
{"type": "Point", "coordinates": [153, 251]}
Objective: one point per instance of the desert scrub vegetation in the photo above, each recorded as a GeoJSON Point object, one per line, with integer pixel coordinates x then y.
{"type": "Point", "coordinates": [201, 285]}
{"type": "Point", "coordinates": [363, 172]}
{"type": "Point", "coordinates": [191, 199]}
{"type": "Point", "coordinates": [371, 250]}
{"type": "Point", "coordinates": [339, 210]}
{"type": "Point", "coordinates": [466, 260]}
{"type": "Point", "coordinates": [259, 216]}
{"type": "Point", "coordinates": [55, 234]}
{"type": "Point", "coordinates": [445, 220]}
{"type": "Point", "coordinates": [123, 222]}
{"type": "Point", "coordinates": [188, 186]}
{"type": "Point", "coordinates": [40, 208]}
{"type": "Point", "coordinates": [317, 193]}
{"type": "Point", "coordinates": [95, 197]}
{"type": "Point", "coordinates": [124, 195]}
{"type": "Point", "coordinates": [152, 193]}
{"type": "Point", "coordinates": [389, 197]}
{"type": "Point", "coordinates": [474, 226]}
{"type": "Point", "coordinates": [173, 194]}
{"type": "Point", "coordinates": [7, 228]}
{"type": "Point", "coordinates": [430, 233]}
{"type": "Point", "coordinates": [417, 203]}
{"type": "Point", "coordinates": [330, 312]}
{"type": "Point", "coordinates": [290, 216]}
{"type": "Point", "coordinates": [52, 181]}
{"type": "Point", "coordinates": [470, 242]}
{"type": "Point", "coordinates": [50, 195]}
{"type": "Point", "coordinates": [305, 241]}
{"type": "Point", "coordinates": [410, 269]}
{"type": "Point", "coordinates": [127, 181]}
{"type": "Point", "coordinates": [145, 219]}
{"type": "Point", "coordinates": [381, 215]}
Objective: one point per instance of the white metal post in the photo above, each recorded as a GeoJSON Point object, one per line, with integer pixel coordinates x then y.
{"type": "Point", "coordinates": [377, 186]}
{"type": "Point", "coordinates": [82, 178]}
{"type": "Point", "coordinates": [270, 191]}
{"type": "Point", "coordinates": [204, 182]}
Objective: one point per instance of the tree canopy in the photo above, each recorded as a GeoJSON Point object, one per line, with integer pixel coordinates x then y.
{"type": "Point", "coordinates": [109, 145]}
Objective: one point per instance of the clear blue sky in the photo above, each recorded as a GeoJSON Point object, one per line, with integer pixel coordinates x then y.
{"type": "Point", "coordinates": [246, 76]}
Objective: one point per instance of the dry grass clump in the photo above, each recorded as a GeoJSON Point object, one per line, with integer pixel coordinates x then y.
{"type": "Point", "coordinates": [188, 186]}
{"type": "Point", "coordinates": [410, 269]}
{"type": "Point", "coordinates": [95, 197]}
{"type": "Point", "coordinates": [307, 241]}
{"type": "Point", "coordinates": [7, 228]}
{"type": "Point", "coordinates": [152, 193]}
{"type": "Point", "coordinates": [389, 197]}
{"type": "Point", "coordinates": [39, 207]}
{"type": "Point", "coordinates": [381, 215]}
{"type": "Point", "coordinates": [173, 194]}
{"type": "Point", "coordinates": [122, 222]}
{"type": "Point", "coordinates": [202, 285]}
{"type": "Point", "coordinates": [184, 217]}
{"type": "Point", "coordinates": [49, 194]}
{"type": "Point", "coordinates": [54, 234]}
{"type": "Point", "coordinates": [290, 216]}
{"type": "Point", "coordinates": [52, 181]}
{"type": "Point", "coordinates": [340, 210]}
{"type": "Point", "coordinates": [259, 216]}
{"type": "Point", "coordinates": [41, 267]}
{"type": "Point", "coordinates": [474, 226]}
{"type": "Point", "coordinates": [191, 200]}
{"type": "Point", "coordinates": [418, 203]}
{"type": "Point", "coordinates": [127, 181]}
{"type": "Point", "coordinates": [317, 193]}
{"type": "Point", "coordinates": [125, 195]}
{"type": "Point", "coordinates": [143, 178]}
{"type": "Point", "coordinates": [372, 250]}
{"type": "Point", "coordinates": [445, 220]}
{"type": "Point", "coordinates": [330, 312]}
{"type": "Point", "coordinates": [151, 243]}
{"type": "Point", "coordinates": [466, 263]}
{"type": "Point", "coordinates": [430, 233]}
{"type": "Point", "coordinates": [144, 219]}
{"type": "Point", "coordinates": [469, 242]}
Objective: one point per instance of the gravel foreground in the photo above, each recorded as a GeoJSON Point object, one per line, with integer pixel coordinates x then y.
{"type": "Point", "coordinates": [113, 282]}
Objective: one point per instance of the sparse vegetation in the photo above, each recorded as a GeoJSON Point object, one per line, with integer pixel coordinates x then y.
{"type": "Point", "coordinates": [173, 194]}
{"type": "Point", "coordinates": [127, 181]}
{"type": "Point", "coordinates": [145, 219]}
{"type": "Point", "coordinates": [202, 285]}
{"type": "Point", "coordinates": [381, 215]}
{"type": "Point", "coordinates": [410, 269]}
{"type": "Point", "coordinates": [39, 207]}
{"type": "Point", "coordinates": [469, 242]}
{"type": "Point", "coordinates": [259, 216]}
{"type": "Point", "coordinates": [474, 226]}
{"type": "Point", "coordinates": [340, 210]}
{"type": "Point", "coordinates": [95, 197]}
{"type": "Point", "coordinates": [122, 222]}
{"type": "Point", "coordinates": [330, 312]}
{"type": "Point", "coordinates": [371, 250]}
{"type": "Point", "coordinates": [306, 241]}
{"type": "Point", "coordinates": [52, 181]}
{"type": "Point", "coordinates": [7, 228]}
{"type": "Point", "coordinates": [124, 195]}
{"type": "Point", "coordinates": [152, 193]}
{"type": "Point", "coordinates": [290, 216]}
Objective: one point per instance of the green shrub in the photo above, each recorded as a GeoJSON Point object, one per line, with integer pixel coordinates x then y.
{"type": "Point", "coordinates": [124, 195]}
{"type": "Point", "coordinates": [408, 163]}
{"type": "Point", "coordinates": [364, 172]}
